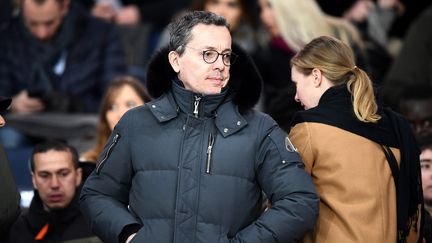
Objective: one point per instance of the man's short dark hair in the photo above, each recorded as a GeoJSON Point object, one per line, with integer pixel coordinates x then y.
{"type": "Point", "coordinates": [40, 2]}
{"type": "Point", "coordinates": [55, 145]}
{"type": "Point", "coordinates": [180, 29]}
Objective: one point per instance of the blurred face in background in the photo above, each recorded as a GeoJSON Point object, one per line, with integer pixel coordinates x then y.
{"type": "Point", "coordinates": [426, 171]}
{"type": "Point", "coordinates": [229, 9]}
{"type": "Point", "coordinates": [268, 18]}
{"type": "Point", "coordinates": [123, 100]}
{"type": "Point", "coordinates": [56, 178]}
{"type": "Point", "coordinates": [418, 112]}
{"type": "Point", "coordinates": [44, 20]}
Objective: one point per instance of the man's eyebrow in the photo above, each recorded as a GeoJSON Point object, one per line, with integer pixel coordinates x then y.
{"type": "Point", "coordinates": [426, 160]}
{"type": "Point", "coordinates": [214, 48]}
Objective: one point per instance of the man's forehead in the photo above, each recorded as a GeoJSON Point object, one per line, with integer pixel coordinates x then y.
{"type": "Point", "coordinates": [46, 9]}
{"type": "Point", "coordinates": [210, 35]}
{"type": "Point", "coordinates": [426, 155]}
{"type": "Point", "coordinates": [53, 161]}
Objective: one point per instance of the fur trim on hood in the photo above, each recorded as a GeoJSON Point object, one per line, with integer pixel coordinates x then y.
{"type": "Point", "coordinates": [244, 84]}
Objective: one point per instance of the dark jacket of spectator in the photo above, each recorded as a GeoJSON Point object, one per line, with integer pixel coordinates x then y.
{"type": "Point", "coordinates": [71, 72]}
{"type": "Point", "coordinates": [57, 226]}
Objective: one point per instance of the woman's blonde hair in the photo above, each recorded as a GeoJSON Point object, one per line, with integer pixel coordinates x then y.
{"type": "Point", "coordinates": [335, 60]}
{"type": "Point", "coordinates": [301, 21]}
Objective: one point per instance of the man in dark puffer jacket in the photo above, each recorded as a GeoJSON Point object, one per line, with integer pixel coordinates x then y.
{"type": "Point", "coordinates": [190, 165]}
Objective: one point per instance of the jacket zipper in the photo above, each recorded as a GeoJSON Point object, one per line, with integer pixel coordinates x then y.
{"type": "Point", "coordinates": [107, 154]}
{"type": "Point", "coordinates": [209, 152]}
{"type": "Point", "coordinates": [196, 104]}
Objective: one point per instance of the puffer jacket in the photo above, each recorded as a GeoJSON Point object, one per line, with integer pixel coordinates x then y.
{"type": "Point", "coordinates": [185, 177]}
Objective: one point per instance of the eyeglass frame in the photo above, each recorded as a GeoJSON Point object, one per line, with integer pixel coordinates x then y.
{"type": "Point", "coordinates": [233, 57]}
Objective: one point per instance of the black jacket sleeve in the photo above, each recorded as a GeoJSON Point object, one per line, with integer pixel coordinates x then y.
{"type": "Point", "coordinates": [9, 204]}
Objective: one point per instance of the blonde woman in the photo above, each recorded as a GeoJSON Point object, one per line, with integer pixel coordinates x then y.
{"type": "Point", "coordinates": [301, 21]}
{"type": "Point", "coordinates": [291, 24]}
{"type": "Point", "coordinates": [362, 158]}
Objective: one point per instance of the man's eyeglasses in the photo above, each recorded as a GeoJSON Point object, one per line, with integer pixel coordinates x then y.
{"type": "Point", "coordinates": [211, 56]}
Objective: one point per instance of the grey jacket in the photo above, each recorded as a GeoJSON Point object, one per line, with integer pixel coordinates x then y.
{"type": "Point", "coordinates": [199, 177]}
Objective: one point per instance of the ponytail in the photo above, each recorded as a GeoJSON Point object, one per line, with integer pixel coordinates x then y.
{"type": "Point", "coordinates": [364, 103]}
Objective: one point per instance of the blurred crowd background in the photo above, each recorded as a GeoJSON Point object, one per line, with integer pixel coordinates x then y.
{"type": "Point", "coordinates": [73, 67]}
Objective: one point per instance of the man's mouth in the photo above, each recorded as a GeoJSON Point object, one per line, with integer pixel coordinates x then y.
{"type": "Point", "coordinates": [55, 197]}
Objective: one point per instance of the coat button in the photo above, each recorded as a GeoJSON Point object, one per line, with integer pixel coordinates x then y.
{"type": "Point", "coordinates": [238, 123]}
{"type": "Point", "coordinates": [225, 130]}
{"type": "Point", "coordinates": [153, 106]}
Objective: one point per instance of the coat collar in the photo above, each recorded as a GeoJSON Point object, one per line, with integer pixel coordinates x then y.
{"type": "Point", "coordinates": [228, 119]}
{"type": "Point", "coordinates": [38, 217]}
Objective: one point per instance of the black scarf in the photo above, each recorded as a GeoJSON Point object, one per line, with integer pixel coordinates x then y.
{"type": "Point", "coordinates": [335, 108]}
{"type": "Point", "coordinates": [38, 217]}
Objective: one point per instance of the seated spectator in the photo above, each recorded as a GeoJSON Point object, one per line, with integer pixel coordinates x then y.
{"type": "Point", "coordinates": [56, 57]}
{"type": "Point", "coordinates": [54, 214]}
{"type": "Point", "coordinates": [123, 94]}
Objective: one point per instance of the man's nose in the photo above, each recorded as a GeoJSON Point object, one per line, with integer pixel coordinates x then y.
{"type": "Point", "coordinates": [42, 33]}
{"type": "Point", "coordinates": [2, 121]}
{"type": "Point", "coordinates": [55, 183]}
{"type": "Point", "coordinates": [296, 98]}
{"type": "Point", "coordinates": [219, 64]}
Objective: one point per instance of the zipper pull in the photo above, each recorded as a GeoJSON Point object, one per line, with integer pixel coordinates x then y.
{"type": "Point", "coordinates": [209, 152]}
{"type": "Point", "coordinates": [108, 153]}
{"type": "Point", "coordinates": [196, 104]}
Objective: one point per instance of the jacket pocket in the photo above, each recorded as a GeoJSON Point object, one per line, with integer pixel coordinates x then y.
{"type": "Point", "coordinates": [114, 141]}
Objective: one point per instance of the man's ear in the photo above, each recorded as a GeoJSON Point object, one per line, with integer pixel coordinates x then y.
{"type": "Point", "coordinates": [173, 58]}
{"type": "Point", "coordinates": [34, 180]}
{"type": "Point", "coordinates": [317, 77]}
{"type": "Point", "coordinates": [78, 177]}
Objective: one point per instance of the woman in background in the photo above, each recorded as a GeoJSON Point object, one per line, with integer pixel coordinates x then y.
{"type": "Point", "coordinates": [363, 159]}
{"type": "Point", "coordinates": [124, 93]}
{"type": "Point", "coordinates": [291, 24]}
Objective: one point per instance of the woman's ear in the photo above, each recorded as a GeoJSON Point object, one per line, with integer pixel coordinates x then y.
{"type": "Point", "coordinates": [173, 58]}
{"type": "Point", "coordinates": [317, 77]}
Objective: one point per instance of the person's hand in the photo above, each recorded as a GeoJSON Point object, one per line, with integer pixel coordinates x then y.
{"type": "Point", "coordinates": [129, 15]}
{"type": "Point", "coordinates": [130, 237]}
{"type": "Point", "coordinates": [359, 10]}
{"type": "Point", "coordinates": [103, 11]}
{"type": "Point", "coordinates": [22, 102]}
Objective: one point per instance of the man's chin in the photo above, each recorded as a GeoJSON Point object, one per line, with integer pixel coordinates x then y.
{"type": "Point", "coordinates": [56, 206]}
{"type": "Point", "coordinates": [213, 91]}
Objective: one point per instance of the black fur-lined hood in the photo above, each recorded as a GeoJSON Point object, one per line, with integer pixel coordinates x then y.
{"type": "Point", "coordinates": [244, 84]}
